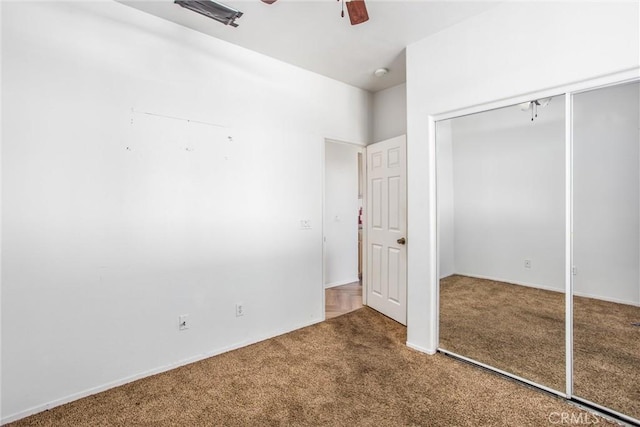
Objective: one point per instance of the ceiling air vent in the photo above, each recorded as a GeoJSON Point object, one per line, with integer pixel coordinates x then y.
{"type": "Point", "coordinates": [213, 10]}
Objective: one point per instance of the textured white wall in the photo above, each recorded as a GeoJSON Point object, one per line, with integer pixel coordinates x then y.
{"type": "Point", "coordinates": [390, 113]}
{"type": "Point", "coordinates": [504, 53]}
{"type": "Point", "coordinates": [104, 247]}
{"type": "Point", "coordinates": [341, 213]}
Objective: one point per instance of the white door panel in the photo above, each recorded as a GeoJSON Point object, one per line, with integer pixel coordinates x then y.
{"type": "Point", "coordinates": [387, 224]}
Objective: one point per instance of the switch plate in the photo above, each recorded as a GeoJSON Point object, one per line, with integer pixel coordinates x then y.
{"type": "Point", "coordinates": [527, 263]}
{"type": "Point", "coordinates": [305, 224]}
{"type": "Point", "coordinates": [183, 322]}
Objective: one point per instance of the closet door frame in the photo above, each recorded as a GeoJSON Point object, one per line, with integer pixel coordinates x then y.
{"type": "Point", "coordinates": [568, 91]}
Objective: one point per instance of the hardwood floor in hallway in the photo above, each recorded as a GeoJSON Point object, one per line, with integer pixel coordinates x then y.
{"type": "Point", "coordinates": [343, 299]}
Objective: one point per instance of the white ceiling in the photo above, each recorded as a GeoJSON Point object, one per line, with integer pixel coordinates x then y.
{"type": "Point", "coordinates": [313, 36]}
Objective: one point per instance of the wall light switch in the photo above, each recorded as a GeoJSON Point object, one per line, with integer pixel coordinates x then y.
{"type": "Point", "coordinates": [305, 224]}
{"type": "Point", "coordinates": [183, 322]}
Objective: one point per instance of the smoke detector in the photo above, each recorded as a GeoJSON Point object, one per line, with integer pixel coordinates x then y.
{"type": "Point", "coordinates": [380, 72]}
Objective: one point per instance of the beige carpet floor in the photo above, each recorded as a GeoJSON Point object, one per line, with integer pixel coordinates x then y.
{"type": "Point", "coordinates": [521, 330]}
{"type": "Point", "coordinates": [353, 370]}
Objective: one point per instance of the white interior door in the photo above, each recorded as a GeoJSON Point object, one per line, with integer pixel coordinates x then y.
{"type": "Point", "coordinates": [386, 228]}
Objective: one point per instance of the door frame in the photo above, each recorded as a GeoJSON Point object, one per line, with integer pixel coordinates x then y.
{"type": "Point", "coordinates": [362, 149]}
{"type": "Point", "coordinates": [370, 149]}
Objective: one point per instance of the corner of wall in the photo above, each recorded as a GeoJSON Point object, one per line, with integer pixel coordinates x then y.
{"type": "Point", "coordinates": [371, 118]}
{"type": "Point", "coordinates": [389, 109]}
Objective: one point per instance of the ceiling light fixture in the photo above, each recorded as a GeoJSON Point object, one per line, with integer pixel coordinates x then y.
{"type": "Point", "coordinates": [212, 9]}
{"type": "Point", "coordinates": [533, 106]}
{"type": "Point", "coordinates": [380, 72]}
{"type": "Point", "coordinates": [524, 106]}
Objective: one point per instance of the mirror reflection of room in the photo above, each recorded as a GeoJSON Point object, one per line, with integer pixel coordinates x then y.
{"type": "Point", "coordinates": [606, 247]}
{"type": "Point", "coordinates": [501, 222]}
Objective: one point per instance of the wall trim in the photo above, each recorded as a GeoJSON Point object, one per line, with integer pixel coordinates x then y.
{"type": "Point", "coordinates": [513, 282]}
{"type": "Point", "coordinates": [341, 283]}
{"type": "Point", "coordinates": [601, 298]}
{"type": "Point", "coordinates": [165, 368]}
{"type": "Point", "coordinates": [548, 288]}
{"type": "Point", "coordinates": [420, 349]}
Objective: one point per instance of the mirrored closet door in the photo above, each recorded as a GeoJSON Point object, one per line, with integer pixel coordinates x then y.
{"type": "Point", "coordinates": [501, 239]}
{"type": "Point", "coordinates": [502, 228]}
{"type": "Point", "coordinates": [606, 248]}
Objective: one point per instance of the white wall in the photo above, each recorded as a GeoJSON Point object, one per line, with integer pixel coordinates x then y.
{"type": "Point", "coordinates": [103, 246]}
{"type": "Point", "coordinates": [515, 50]}
{"type": "Point", "coordinates": [341, 213]}
{"type": "Point", "coordinates": [606, 194]}
{"type": "Point", "coordinates": [390, 113]}
{"type": "Point", "coordinates": [508, 187]}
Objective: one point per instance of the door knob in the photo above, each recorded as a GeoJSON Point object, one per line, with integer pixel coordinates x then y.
{"type": "Point", "coordinates": [401, 241]}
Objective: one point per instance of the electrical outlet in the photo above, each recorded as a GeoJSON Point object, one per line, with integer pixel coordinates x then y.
{"type": "Point", "coordinates": [239, 309]}
{"type": "Point", "coordinates": [527, 263]}
{"type": "Point", "coordinates": [183, 322]}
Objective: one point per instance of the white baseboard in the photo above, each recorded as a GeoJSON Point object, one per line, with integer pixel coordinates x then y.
{"type": "Point", "coordinates": [420, 349]}
{"type": "Point", "coordinates": [513, 282]}
{"type": "Point", "coordinates": [159, 370]}
{"type": "Point", "coordinates": [548, 288]}
{"type": "Point", "coordinates": [601, 298]}
{"type": "Point", "coordinates": [340, 283]}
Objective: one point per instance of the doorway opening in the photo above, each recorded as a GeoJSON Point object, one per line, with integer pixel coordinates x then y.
{"type": "Point", "coordinates": [343, 227]}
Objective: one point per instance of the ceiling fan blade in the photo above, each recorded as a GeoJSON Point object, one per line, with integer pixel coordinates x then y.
{"type": "Point", "coordinates": [268, 1]}
{"type": "Point", "coordinates": [357, 12]}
